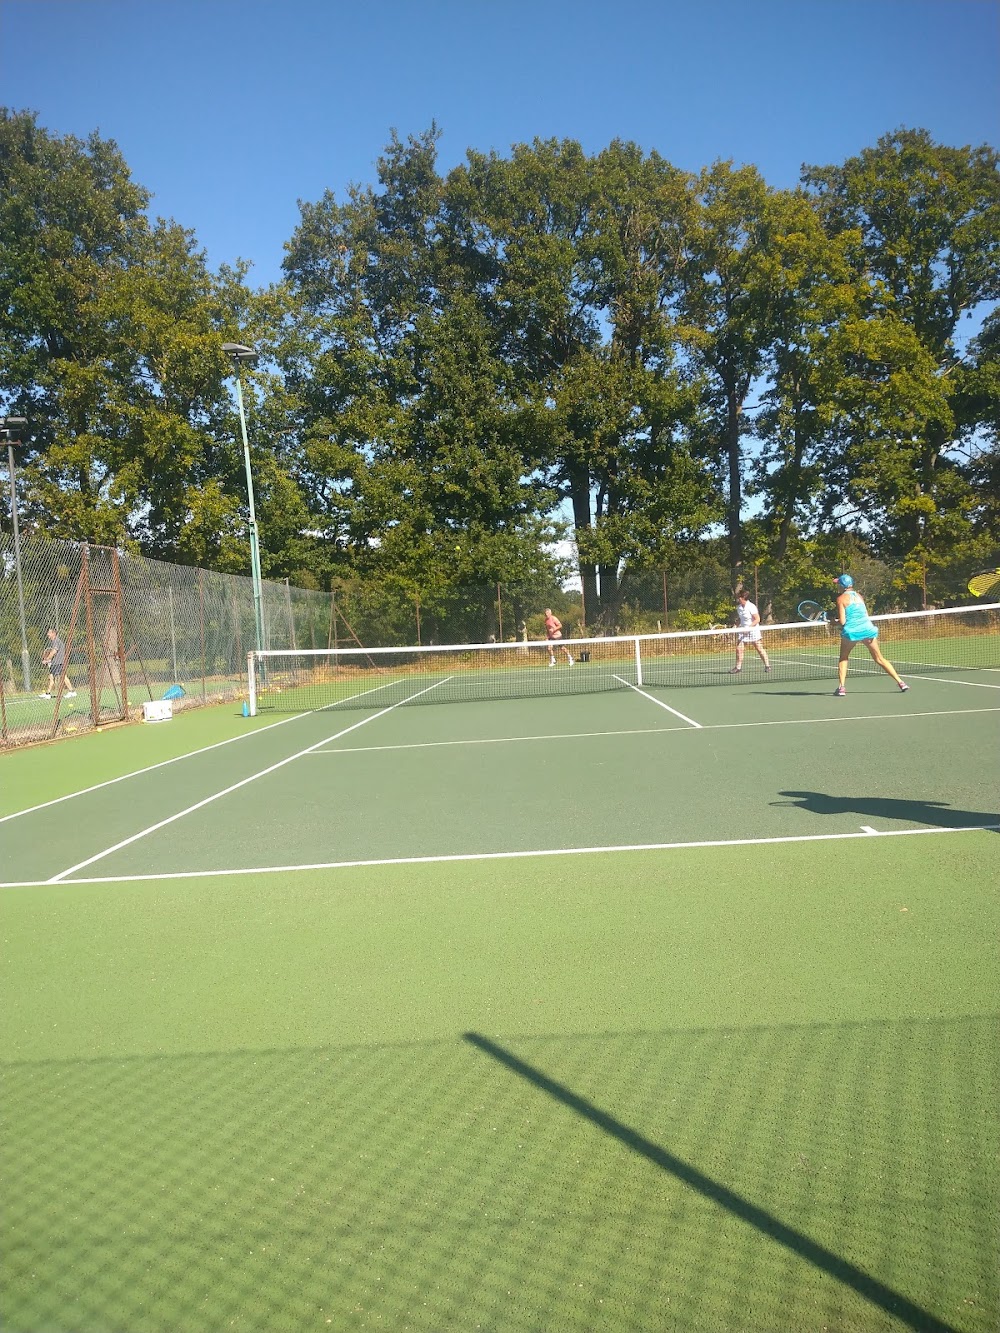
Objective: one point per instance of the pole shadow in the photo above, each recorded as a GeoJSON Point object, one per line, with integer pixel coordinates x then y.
{"type": "Point", "coordinates": [936, 814]}
{"type": "Point", "coordinates": [834, 1265]}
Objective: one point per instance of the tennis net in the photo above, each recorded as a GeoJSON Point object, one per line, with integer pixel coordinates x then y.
{"type": "Point", "coordinates": [941, 643]}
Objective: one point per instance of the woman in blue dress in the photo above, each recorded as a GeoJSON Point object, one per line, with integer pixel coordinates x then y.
{"type": "Point", "coordinates": [856, 626]}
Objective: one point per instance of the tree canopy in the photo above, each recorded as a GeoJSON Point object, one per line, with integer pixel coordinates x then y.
{"type": "Point", "coordinates": [461, 370]}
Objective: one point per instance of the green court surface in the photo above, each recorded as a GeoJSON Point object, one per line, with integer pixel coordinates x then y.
{"type": "Point", "coordinates": [665, 1009]}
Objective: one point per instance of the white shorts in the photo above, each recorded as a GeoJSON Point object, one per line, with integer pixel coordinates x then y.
{"type": "Point", "coordinates": [752, 635]}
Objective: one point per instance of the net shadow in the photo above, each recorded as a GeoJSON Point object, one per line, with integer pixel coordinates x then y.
{"type": "Point", "coordinates": [420, 1185]}
{"type": "Point", "coordinates": [834, 1265]}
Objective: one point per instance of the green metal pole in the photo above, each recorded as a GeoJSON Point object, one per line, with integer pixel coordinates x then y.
{"type": "Point", "coordinates": [258, 610]}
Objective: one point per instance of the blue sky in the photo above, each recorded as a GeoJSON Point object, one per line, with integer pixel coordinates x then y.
{"type": "Point", "coordinates": [230, 111]}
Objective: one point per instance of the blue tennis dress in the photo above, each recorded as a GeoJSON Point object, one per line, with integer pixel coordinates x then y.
{"type": "Point", "coordinates": [858, 624]}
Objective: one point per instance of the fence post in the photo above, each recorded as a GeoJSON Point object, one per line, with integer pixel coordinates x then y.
{"type": "Point", "coordinates": [252, 683]}
{"type": "Point", "coordinates": [173, 632]}
{"type": "Point", "coordinates": [291, 619]}
{"type": "Point", "coordinates": [25, 656]}
{"type": "Point", "coordinates": [116, 584]}
{"type": "Point", "coordinates": [201, 629]}
{"type": "Point", "coordinates": [237, 612]}
{"type": "Point", "coordinates": [88, 611]}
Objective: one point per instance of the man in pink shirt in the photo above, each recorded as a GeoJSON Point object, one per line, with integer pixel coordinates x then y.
{"type": "Point", "coordinates": [553, 632]}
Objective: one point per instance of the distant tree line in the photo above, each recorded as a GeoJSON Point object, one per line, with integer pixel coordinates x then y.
{"type": "Point", "coordinates": [457, 370]}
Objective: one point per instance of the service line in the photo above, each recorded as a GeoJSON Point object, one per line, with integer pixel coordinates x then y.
{"type": "Point", "coordinates": [656, 731]}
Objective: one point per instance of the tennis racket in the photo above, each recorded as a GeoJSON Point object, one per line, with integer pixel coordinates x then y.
{"type": "Point", "coordinates": [986, 585]}
{"type": "Point", "coordinates": [809, 610]}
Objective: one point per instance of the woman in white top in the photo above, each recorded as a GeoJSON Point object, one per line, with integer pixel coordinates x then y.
{"type": "Point", "coordinates": [749, 622]}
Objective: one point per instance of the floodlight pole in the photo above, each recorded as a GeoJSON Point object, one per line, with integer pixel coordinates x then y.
{"type": "Point", "coordinates": [8, 427]}
{"type": "Point", "coordinates": [240, 353]}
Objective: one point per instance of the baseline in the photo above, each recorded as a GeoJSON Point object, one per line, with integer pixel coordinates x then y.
{"type": "Point", "coordinates": [866, 833]}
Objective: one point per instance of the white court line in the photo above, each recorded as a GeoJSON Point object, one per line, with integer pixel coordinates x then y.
{"type": "Point", "coordinates": [870, 717]}
{"type": "Point", "coordinates": [950, 680]}
{"type": "Point", "coordinates": [81, 865]}
{"type": "Point", "coordinates": [919, 661]}
{"type": "Point", "coordinates": [689, 720]}
{"type": "Point", "coordinates": [500, 740]}
{"type": "Point", "coordinates": [515, 740]}
{"type": "Point", "coordinates": [493, 856]}
{"type": "Point", "coordinates": [188, 754]}
{"type": "Point", "coordinates": [658, 731]}
{"type": "Point", "coordinates": [867, 828]}
{"type": "Point", "coordinates": [900, 667]}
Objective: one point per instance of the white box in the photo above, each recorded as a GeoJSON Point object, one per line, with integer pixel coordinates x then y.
{"type": "Point", "coordinates": [157, 710]}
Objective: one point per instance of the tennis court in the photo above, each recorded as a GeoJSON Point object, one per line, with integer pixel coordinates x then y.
{"type": "Point", "coordinates": [659, 1007]}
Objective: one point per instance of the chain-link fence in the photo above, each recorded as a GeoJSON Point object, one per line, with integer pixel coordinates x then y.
{"type": "Point", "coordinates": [386, 616]}
{"type": "Point", "coordinates": [129, 630]}
{"type": "Point", "coordinates": [701, 594]}
{"type": "Point", "coordinates": [126, 630]}
{"type": "Point", "coordinates": [135, 629]}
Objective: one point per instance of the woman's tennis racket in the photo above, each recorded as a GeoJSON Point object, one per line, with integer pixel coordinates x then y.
{"type": "Point", "coordinates": [986, 585]}
{"type": "Point", "coordinates": [809, 610]}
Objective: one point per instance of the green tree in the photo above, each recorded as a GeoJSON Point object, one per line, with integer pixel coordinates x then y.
{"type": "Point", "coordinates": [578, 258]}
{"type": "Point", "coordinates": [734, 285]}
{"type": "Point", "coordinates": [111, 346]}
{"type": "Point", "coordinates": [814, 294]}
{"type": "Point", "coordinates": [403, 398]}
{"type": "Point", "coordinates": [928, 217]}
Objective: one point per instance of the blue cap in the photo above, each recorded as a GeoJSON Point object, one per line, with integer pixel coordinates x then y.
{"type": "Point", "coordinates": [846, 581]}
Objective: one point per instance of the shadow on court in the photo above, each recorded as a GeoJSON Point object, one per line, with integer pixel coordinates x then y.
{"type": "Point", "coordinates": [936, 814]}
{"type": "Point", "coordinates": [515, 1187]}
{"type": "Point", "coordinates": [894, 1303]}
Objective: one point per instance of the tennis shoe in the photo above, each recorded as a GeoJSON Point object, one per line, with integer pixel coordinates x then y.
{"type": "Point", "coordinates": [552, 662]}
{"type": "Point", "coordinates": [45, 695]}
{"type": "Point", "coordinates": [569, 659]}
{"type": "Point", "coordinates": [840, 692]}
{"type": "Point", "coordinates": [735, 671]}
{"type": "Point", "coordinates": [903, 687]}
{"type": "Point", "coordinates": [70, 694]}
{"type": "Point", "coordinates": [766, 670]}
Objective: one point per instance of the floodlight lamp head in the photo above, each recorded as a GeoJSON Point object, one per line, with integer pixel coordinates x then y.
{"type": "Point", "coordinates": [11, 428]}
{"type": "Point", "coordinates": [240, 352]}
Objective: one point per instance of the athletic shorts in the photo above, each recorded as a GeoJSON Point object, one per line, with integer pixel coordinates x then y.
{"type": "Point", "coordinates": [752, 635]}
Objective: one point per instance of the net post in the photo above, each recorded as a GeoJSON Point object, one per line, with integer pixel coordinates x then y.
{"type": "Point", "coordinates": [638, 662]}
{"type": "Point", "coordinates": [252, 682]}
